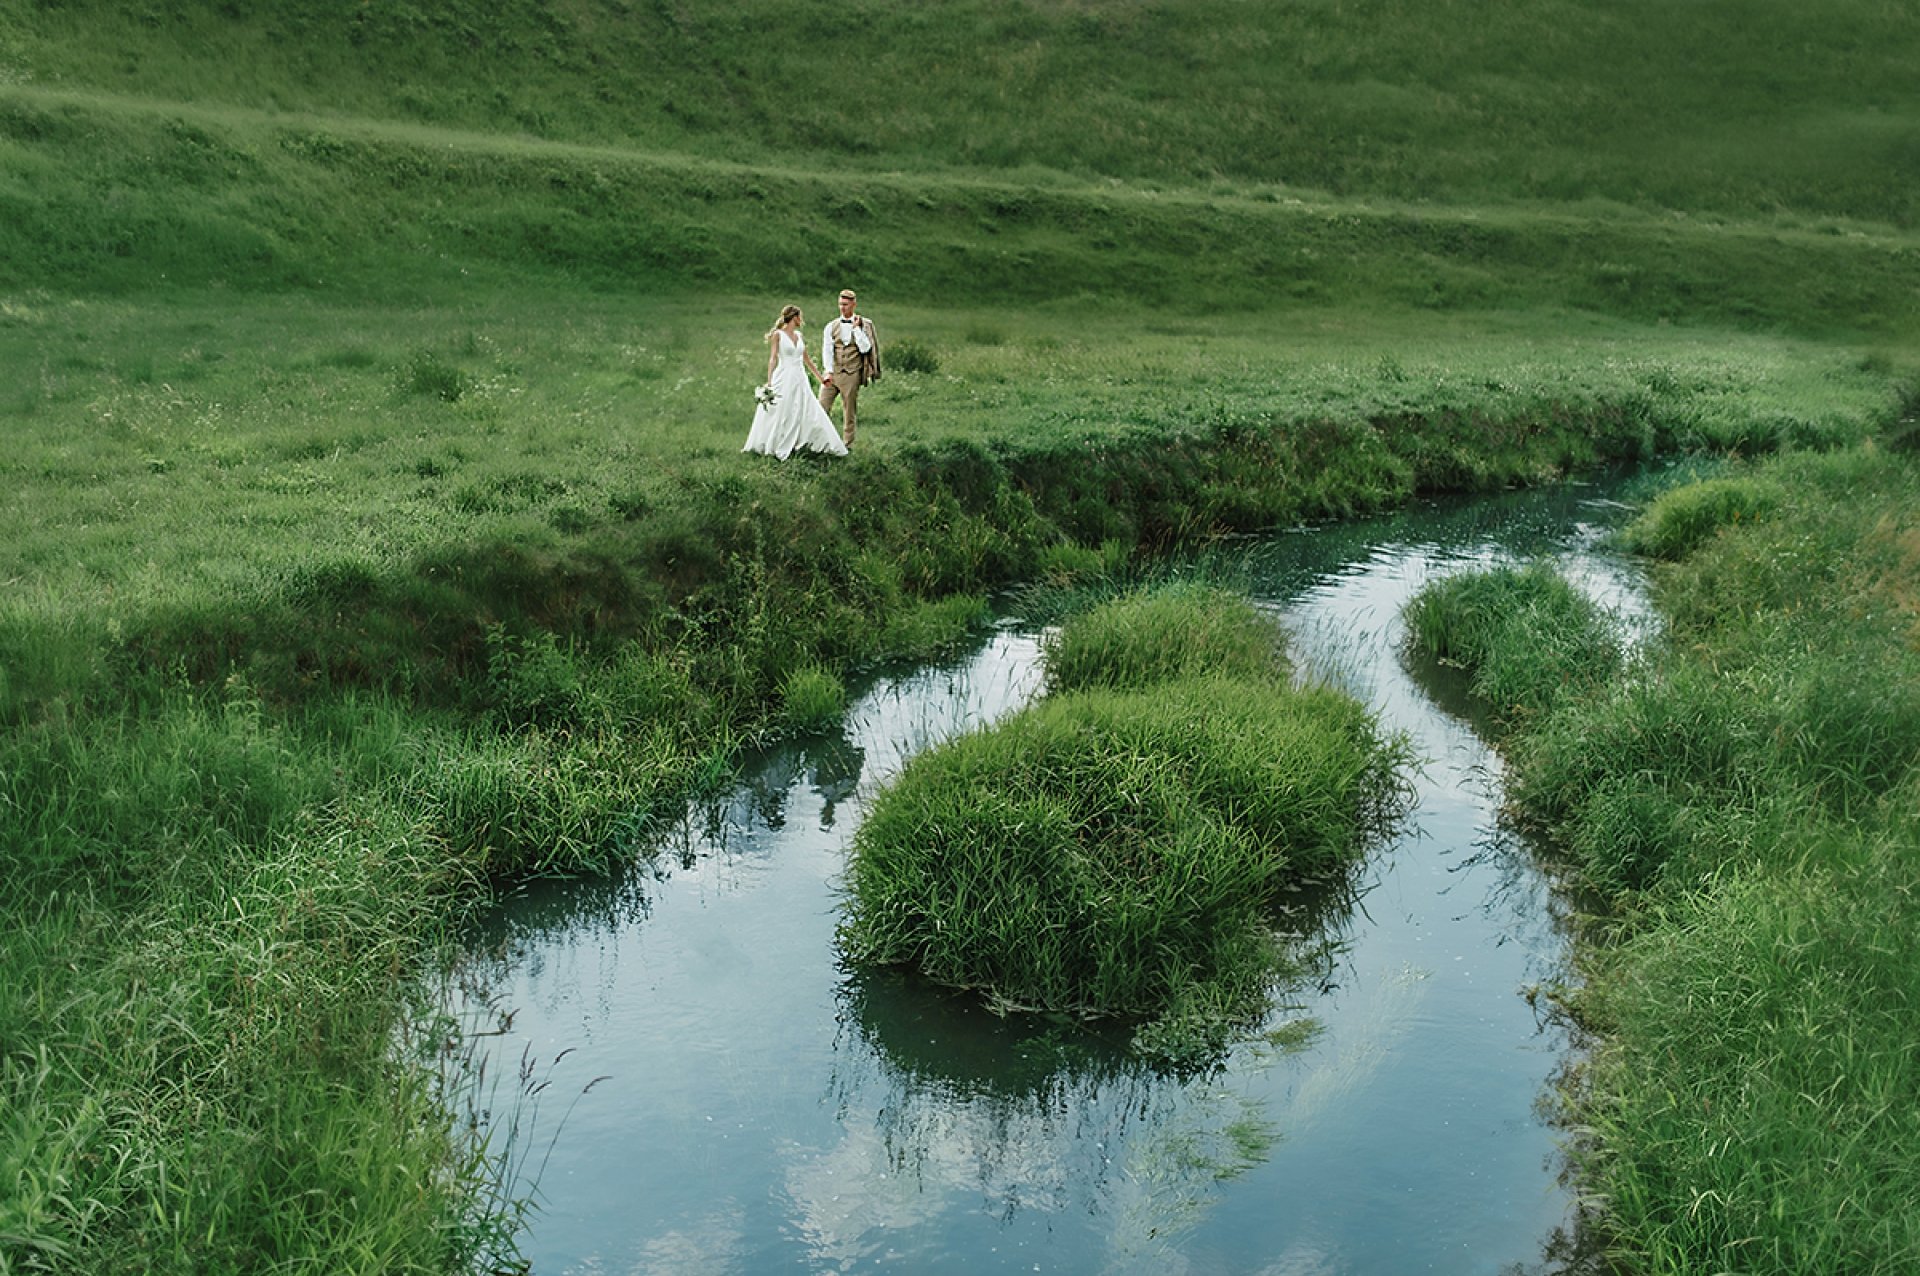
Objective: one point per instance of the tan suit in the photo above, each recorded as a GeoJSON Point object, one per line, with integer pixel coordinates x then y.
{"type": "Point", "coordinates": [850, 369]}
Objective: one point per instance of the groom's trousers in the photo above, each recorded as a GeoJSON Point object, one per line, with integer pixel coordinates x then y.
{"type": "Point", "coordinates": [845, 384]}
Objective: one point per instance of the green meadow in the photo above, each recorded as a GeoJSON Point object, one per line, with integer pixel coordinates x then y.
{"type": "Point", "coordinates": [375, 533]}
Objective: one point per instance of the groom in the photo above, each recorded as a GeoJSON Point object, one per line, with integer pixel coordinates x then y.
{"type": "Point", "coordinates": [854, 361]}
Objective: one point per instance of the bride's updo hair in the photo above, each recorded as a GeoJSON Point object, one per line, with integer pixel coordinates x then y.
{"type": "Point", "coordinates": [787, 313]}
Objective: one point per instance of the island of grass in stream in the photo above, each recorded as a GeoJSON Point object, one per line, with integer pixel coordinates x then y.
{"type": "Point", "coordinates": [1119, 847]}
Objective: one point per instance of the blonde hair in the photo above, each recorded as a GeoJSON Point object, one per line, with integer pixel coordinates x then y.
{"type": "Point", "coordinates": [786, 314]}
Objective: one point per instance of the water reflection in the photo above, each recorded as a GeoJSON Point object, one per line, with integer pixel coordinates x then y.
{"type": "Point", "coordinates": [766, 1109]}
{"type": "Point", "coordinates": [947, 1106]}
{"type": "Point", "coordinates": [828, 764]}
{"type": "Point", "coordinates": [948, 1112]}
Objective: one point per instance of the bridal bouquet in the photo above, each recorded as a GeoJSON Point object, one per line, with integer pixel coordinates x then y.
{"type": "Point", "coordinates": [765, 396]}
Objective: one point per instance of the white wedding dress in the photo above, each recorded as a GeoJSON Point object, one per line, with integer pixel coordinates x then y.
{"type": "Point", "coordinates": [796, 421]}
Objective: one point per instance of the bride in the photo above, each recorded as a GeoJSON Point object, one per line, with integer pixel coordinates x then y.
{"type": "Point", "coordinates": [788, 417]}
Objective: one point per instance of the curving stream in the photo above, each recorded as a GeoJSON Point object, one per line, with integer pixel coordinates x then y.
{"type": "Point", "coordinates": [762, 1110]}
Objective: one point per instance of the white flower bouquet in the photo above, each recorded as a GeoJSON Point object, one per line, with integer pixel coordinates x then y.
{"type": "Point", "coordinates": [766, 396]}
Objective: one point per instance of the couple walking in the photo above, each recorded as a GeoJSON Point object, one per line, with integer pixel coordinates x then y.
{"type": "Point", "coordinates": [788, 418]}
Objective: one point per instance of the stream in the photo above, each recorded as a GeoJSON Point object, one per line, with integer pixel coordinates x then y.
{"type": "Point", "coordinates": [696, 1085]}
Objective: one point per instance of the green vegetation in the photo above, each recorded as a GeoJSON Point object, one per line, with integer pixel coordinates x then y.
{"type": "Point", "coordinates": [322, 208]}
{"type": "Point", "coordinates": [207, 941]}
{"type": "Point", "coordinates": [1216, 158]}
{"type": "Point", "coordinates": [812, 698]}
{"type": "Point", "coordinates": [249, 446]}
{"type": "Point", "coordinates": [1178, 631]}
{"type": "Point", "coordinates": [1744, 799]}
{"type": "Point", "coordinates": [1757, 107]}
{"type": "Point", "coordinates": [1527, 636]}
{"type": "Point", "coordinates": [1116, 848]}
{"type": "Point", "coordinates": [1684, 517]}
{"type": "Point", "coordinates": [375, 530]}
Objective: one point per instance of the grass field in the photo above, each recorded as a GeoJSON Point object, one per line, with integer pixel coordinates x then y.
{"type": "Point", "coordinates": [375, 530]}
{"type": "Point", "coordinates": [164, 446]}
{"type": "Point", "coordinates": [1727, 107]}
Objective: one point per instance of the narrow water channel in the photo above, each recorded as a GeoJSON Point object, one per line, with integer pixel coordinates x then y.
{"type": "Point", "coordinates": [765, 1110]}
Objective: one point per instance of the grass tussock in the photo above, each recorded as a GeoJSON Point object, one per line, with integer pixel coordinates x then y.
{"type": "Point", "coordinates": [1527, 637]}
{"type": "Point", "coordinates": [1116, 849]}
{"type": "Point", "coordinates": [1162, 635]}
{"type": "Point", "coordinates": [1743, 798]}
{"type": "Point", "coordinates": [1682, 517]}
{"type": "Point", "coordinates": [812, 699]}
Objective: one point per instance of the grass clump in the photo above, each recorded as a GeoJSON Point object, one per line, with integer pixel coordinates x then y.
{"type": "Point", "coordinates": [911, 355]}
{"type": "Point", "coordinates": [1115, 850]}
{"type": "Point", "coordinates": [431, 377]}
{"type": "Point", "coordinates": [1524, 633]}
{"type": "Point", "coordinates": [812, 698]}
{"type": "Point", "coordinates": [1682, 517]}
{"type": "Point", "coordinates": [1150, 636]}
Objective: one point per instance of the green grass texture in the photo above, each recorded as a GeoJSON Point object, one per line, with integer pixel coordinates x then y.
{"type": "Point", "coordinates": [1716, 107]}
{"type": "Point", "coordinates": [374, 530]}
{"type": "Point", "coordinates": [1526, 636]}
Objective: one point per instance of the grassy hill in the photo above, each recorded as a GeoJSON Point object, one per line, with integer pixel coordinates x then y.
{"type": "Point", "coordinates": [1732, 107]}
{"type": "Point", "coordinates": [1680, 163]}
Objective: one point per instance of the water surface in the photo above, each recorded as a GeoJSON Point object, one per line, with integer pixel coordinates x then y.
{"type": "Point", "coordinates": [764, 1109]}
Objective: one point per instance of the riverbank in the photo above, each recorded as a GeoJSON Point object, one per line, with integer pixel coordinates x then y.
{"type": "Point", "coordinates": [1741, 802]}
